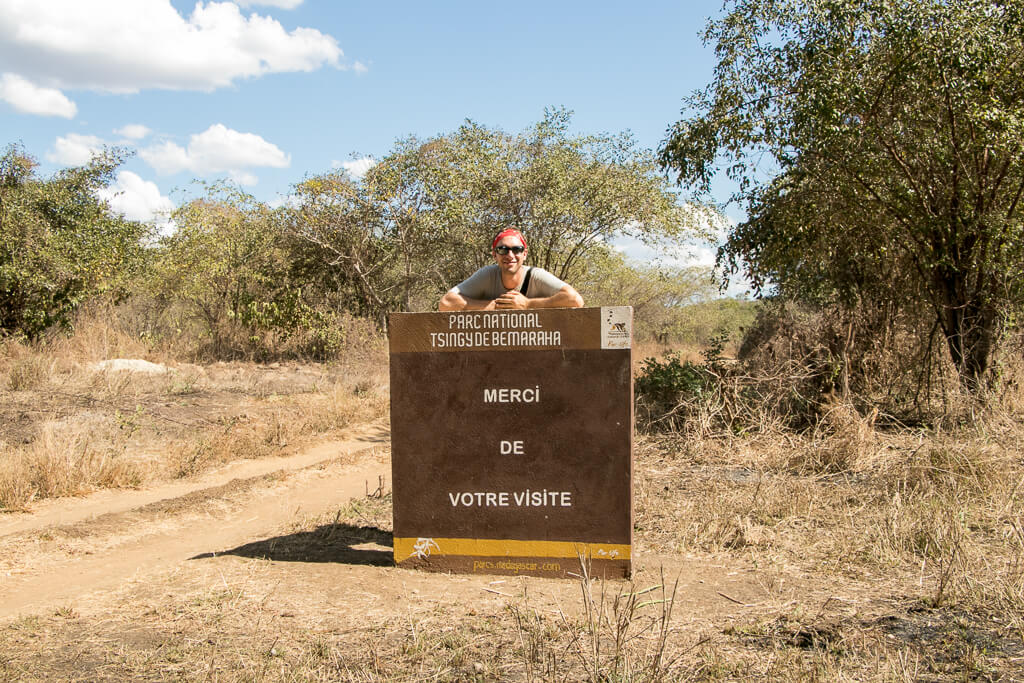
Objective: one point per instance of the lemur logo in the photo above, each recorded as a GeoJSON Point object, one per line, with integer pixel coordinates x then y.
{"type": "Point", "coordinates": [616, 330]}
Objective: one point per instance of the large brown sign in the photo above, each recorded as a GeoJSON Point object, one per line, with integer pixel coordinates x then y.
{"type": "Point", "coordinates": [511, 440]}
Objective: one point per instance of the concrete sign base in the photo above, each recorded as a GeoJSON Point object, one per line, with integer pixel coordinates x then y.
{"type": "Point", "coordinates": [512, 441]}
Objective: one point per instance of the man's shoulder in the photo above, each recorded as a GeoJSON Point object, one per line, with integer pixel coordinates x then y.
{"type": "Point", "coordinates": [479, 282]}
{"type": "Point", "coordinates": [482, 271]}
{"type": "Point", "coordinates": [545, 275]}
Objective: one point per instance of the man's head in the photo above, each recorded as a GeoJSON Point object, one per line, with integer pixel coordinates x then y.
{"type": "Point", "coordinates": [509, 250]}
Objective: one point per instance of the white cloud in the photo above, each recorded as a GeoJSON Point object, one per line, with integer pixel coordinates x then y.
{"type": "Point", "coordinates": [124, 46]}
{"type": "Point", "coordinates": [166, 158]}
{"type": "Point", "coordinates": [218, 149]}
{"type": "Point", "coordinates": [289, 200]}
{"type": "Point", "coordinates": [699, 251]}
{"type": "Point", "coordinates": [139, 200]}
{"type": "Point", "coordinates": [74, 149]}
{"type": "Point", "coordinates": [683, 255]}
{"type": "Point", "coordinates": [29, 98]}
{"type": "Point", "coordinates": [360, 68]}
{"type": "Point", "coordinates": [356, 168]}
{"type": "Point", "coordinates": [283, 4]}
{"type": "Point", "coordinates": [243, 177]}
{"type": "Point", "coordinates": [133, 131]}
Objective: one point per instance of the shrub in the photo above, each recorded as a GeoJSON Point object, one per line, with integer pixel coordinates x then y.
{"type": "Point", "coordinates": [60, 245]}
{"type": "Point", "coordinates": [873, 357]}
{"type": "Point", "coordinates": [250, 298]}
{"type": "Point", "coordinates": [672, 390]}
{"type": "Point", "coordinates": [666, 382]}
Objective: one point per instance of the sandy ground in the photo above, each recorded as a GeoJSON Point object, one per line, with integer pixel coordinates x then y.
{"type": "Point", "coordinates": [281, 569]}
{"type": "Point", "coordinates": [85, 552]}
{"type": "Point", "coordinates": [136, 532]}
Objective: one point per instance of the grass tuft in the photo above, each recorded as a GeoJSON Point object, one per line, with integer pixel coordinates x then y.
{"type": "Point", "coordinates": [67, 428]}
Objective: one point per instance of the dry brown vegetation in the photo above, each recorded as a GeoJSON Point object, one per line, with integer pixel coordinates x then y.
{"type": "Point", "coordinates": [866, 549]}
{"type": "Point", "coordinates": [907, 564]}
{"type": "Point", "coordinates": [915, 542]}
{"type": "Point", "coordinates": [68, 427]}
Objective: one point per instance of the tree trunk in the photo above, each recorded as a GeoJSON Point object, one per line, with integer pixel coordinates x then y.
{"type": "Point", "coordinates": [969, 325]}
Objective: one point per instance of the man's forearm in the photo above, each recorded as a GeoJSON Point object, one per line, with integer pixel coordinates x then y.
{"type": "Point", "coordinates": [567, 297]}
{"type": "Point", "coordinates": [452, 301]}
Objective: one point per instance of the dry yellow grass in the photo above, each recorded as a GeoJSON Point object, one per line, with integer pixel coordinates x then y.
{"type": "Point", "coordinates": [926, 523]}
{"type": "Point", "coordinates": [67, 428]}
{"type": "Point", "coordinates": [63, 461]}
{"type": "Point", "coordinates": [882, 552]}
{"type": "Point", "coordinates": [908, 565]}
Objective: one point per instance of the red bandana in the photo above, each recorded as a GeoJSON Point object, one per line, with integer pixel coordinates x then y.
{"type": "Point", "coordinates": [505, 233]}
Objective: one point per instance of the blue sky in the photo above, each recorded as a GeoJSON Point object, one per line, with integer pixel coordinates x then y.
{"type": "Point", "coordinates": [268, 92]}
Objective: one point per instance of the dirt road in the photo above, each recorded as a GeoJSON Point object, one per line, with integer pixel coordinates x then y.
{"type": "Point", "coordinates": [231, 565]}
{"type": "Point", "coordinates": [100, 542]}
{"type": "Point", "coordinates": [131, 533]}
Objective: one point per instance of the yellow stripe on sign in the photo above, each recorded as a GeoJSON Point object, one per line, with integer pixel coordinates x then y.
{"type": "Point", "coordinates": [486, 547]}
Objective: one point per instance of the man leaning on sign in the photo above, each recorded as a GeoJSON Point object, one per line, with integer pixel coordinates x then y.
{"type": "Point", "coordinates": [509, 284]}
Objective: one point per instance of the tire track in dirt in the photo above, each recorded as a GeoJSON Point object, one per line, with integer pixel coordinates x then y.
{"type": "Point", "coordinates": [134, 539]}
{"type": "Point", "coordinates": [62, 511]}
{"type": "Point", "coordinates": [205, 527]}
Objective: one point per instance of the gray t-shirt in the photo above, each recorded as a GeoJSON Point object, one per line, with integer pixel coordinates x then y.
{"type": "Point", "coordinates": [486, 284]}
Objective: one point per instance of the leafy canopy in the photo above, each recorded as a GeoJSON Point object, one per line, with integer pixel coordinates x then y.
{"type": "Point", "coordinates": [59, 243]}
{"type": "Point", "coordinates": [422, 219]}
{"type": "Point", "coordinates": [877, 145]}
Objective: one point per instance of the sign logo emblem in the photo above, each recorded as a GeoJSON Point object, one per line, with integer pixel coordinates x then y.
{"type": "Point", "coordinates": [615, 327]}
{"type": "Point", "coordinates": [423, 547]}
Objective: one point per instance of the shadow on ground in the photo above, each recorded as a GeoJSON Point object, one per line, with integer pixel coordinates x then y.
{"type": "Point", "coordinates": [342, 543]}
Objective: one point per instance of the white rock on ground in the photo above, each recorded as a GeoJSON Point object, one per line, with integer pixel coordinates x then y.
{"type": "Point", "coordinates": [130, 365]}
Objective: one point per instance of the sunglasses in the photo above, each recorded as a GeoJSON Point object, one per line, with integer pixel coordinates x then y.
{"type": "Point", "coordinates": [502, 250]}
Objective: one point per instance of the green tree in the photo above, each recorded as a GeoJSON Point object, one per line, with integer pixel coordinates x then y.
{"type": "Point", "coordinates": [422, 219]}
{"type": "Point", "coordinates": [570, 195]}
{"type": "Point", "coordinates": [877, 144]}
{"type": "Point", "coordinates": [662, 297]}
{"type": "Point", "coordinates": [59, 243]}
{"type": "Point", "coordinates": [341, 221]}
{"type": "Point", "coordinates": [232, 274]}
